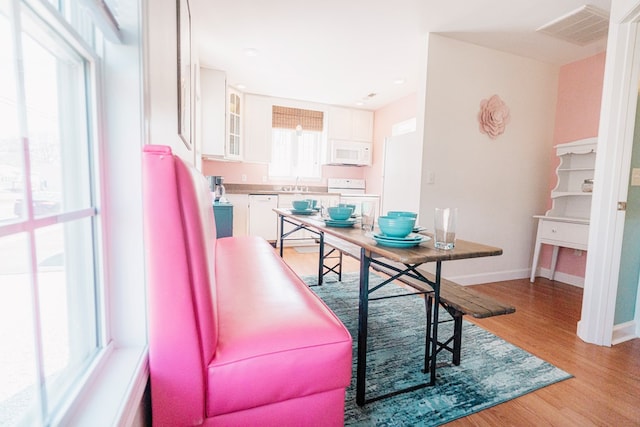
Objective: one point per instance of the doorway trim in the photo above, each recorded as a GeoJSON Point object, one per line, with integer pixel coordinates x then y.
{"type": "Point", "coordinates": [617, 123]}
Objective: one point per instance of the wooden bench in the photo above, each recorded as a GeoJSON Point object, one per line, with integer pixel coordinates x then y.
{"type": "Point", "coordinates": [458, 300]}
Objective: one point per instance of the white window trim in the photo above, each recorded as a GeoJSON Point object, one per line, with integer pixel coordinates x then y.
{"type": "Point", "coordinates": [111, 395]}
{"type": "Point", "coordinates": [114, 385]}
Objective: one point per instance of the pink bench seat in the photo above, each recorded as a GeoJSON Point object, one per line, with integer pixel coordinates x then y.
{"type": "Point", "coordinates": [235, 336]}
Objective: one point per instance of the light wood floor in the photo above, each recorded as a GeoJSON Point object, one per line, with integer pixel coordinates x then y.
{"type": "Point", "coordinates": [605, 390]}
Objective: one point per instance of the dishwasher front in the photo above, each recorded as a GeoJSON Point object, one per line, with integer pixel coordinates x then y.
{"type": "Point", "coordinates": [263, 221]}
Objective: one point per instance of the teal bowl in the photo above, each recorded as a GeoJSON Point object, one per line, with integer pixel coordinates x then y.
{"type": "Point", "coordinates": [339, 212]}
{"type": "Point", "coordinates": [300, 205]}
{"type": "Point", "coordinates": [347, 205]}
{"type": "Point", "coordinates": [406, 214]}
{"type": "Point", "coordinates": [398, 226]}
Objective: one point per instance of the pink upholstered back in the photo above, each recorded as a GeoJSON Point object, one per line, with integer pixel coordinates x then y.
{"type": "Point", "coordinates": [180, 245]}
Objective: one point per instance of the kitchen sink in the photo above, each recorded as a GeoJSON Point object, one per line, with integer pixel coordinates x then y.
{"type": "Point", "coordinates": [290, 189]}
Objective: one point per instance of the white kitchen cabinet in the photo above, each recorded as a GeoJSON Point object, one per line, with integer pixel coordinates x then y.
{"type": "Point", "coordinates": [257, 128]}
{"type": "Point", "coordinates": [235, 107]}
{"type": "Point", "coordinates": [350, 124]}
{"type": "Point", "coordinates": [566, 224]}
{"type": "Point", "coordinates": [362, 125]}
{"type": "Point", "coordinates": [212, 116]}
{"type": "Point", "coordinates": [240, 204]}
{"type": "Point", "coordinates": [263, 221]}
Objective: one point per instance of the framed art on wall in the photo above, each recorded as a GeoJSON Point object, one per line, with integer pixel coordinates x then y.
{"type": "Point", "coordinates": [184, 71]}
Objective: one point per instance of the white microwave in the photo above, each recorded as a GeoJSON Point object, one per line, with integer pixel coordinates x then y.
{"type": "Point", "coordinates": [343, 152]}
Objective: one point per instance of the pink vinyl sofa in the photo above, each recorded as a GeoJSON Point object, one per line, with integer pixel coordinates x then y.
{"type": "Point", "coordinates": [235, 336]}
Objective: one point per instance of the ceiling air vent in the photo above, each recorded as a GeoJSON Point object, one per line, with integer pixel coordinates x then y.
{"type": "Point", "coordinates": [584, 25]}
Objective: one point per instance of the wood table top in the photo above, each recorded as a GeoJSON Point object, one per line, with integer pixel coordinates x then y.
{"type": "Point", "coordinates": [424, 252]}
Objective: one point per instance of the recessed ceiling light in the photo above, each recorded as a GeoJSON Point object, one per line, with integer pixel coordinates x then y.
{"type": "Point", "coordinates": [241, 86]}
{"type": "Point", "coordinates": [359, 103]}
{"type": "Point", "coordinates": [398, 81]}
{"type": "Point", "coordinates": [250, 51]}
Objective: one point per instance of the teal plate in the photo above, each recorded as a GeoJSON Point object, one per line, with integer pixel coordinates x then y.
{"type": "Point", "coordinates": [303, 212]}
{"type": "Point", "coordinates": [400, 243]}
{"type": "Point", "coordinates": [339, 223]}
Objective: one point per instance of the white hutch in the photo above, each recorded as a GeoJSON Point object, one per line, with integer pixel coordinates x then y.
{"type": "Point", "coordinates": [566, 224]}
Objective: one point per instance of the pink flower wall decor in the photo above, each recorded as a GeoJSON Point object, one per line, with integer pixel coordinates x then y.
{"type": "Point", "coordinates": [493, 116]}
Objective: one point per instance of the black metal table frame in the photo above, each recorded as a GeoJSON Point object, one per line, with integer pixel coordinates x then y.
{"type": "Point", "coordinates": [432, 312]}
{"type": "Point", "coordinates": [366, 259]}
{"type": "Point", "coordinates": [297, 227]}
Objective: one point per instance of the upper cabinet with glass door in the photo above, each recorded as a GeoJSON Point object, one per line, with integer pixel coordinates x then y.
{"type": "Point", "coordinates": [234, 129]}
{"type": "Point", "coordinates": [220, 117]}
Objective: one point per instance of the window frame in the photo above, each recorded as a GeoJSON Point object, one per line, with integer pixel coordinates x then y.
{"type": "Point", "coordinates": [112, 387]}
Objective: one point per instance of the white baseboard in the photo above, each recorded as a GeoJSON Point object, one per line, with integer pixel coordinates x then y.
{"type": "Point", "coordinates": [524, 273]}
{"type": "Point", "coordinates": [624, 332]}
{"type": "Point", "coordinates": [562, 277]}
{"type": "Point", "coordinates": [494, 276]}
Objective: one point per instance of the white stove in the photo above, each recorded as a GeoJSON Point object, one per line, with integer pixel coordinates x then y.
{"type": "Point", "coordinates": [352, 191]}
{"type": "Point", "coordinates": [345, 186]}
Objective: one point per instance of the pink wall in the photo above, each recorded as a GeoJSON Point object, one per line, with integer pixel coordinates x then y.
{"type": "Point", "coordinates": [384, 118]}
{"type": "Point", "coordinates": [577, 117]}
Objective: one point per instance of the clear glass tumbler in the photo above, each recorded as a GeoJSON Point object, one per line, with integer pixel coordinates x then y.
{"type": "Point", "coordinates": [445, 228]}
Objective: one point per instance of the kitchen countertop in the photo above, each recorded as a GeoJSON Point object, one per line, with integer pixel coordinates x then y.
{"type": "Point", "coordinates": [274, 189]}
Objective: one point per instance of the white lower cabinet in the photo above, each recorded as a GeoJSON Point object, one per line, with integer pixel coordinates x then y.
{"type": "Point", "coordinates": [262, 218]}
{"type": "Point", "coordinates": [559, 232]}
{"type": "Point", "coordinates": [240, 204]}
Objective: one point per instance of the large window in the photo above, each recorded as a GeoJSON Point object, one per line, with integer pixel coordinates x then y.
{"type": "Point", "coordinates": [296, 143]}
{"type": "Point", "coordinates": [51, 320]}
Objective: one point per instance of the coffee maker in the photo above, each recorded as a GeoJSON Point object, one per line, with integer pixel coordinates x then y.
{"type": "Point", "coordinates": [217, 187]}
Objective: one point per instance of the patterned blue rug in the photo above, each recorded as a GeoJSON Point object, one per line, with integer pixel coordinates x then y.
{"type": "Point", "coordinates": [491, 371]}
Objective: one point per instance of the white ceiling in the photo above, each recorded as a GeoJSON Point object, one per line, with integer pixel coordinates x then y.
{"type": "Point", "coordinates": [339, 51]}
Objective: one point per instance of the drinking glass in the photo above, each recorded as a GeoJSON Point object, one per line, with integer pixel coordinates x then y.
{"type": "Point", "coordinates": [368, 215]}
{"type": "Point", "coordinates": [445, 228]}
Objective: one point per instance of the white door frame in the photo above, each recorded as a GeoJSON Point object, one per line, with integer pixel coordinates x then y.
{"type": "Point", "coordinates": [617, 122]}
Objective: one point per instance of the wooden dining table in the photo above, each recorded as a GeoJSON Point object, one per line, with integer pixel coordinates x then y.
{"type": "Point", "coordinates": [373, 253]}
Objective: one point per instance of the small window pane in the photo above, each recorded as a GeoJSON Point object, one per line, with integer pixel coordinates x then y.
{"type": "Point", "coordinates": [67, 302]}
{"type": "Point", "coordinates": [18, 365]}
{"type": "Point", "coordinates": [11, 152]}
{"type": "Point", "coordinates": [236, 128]}
{"type": "Point", "coordinates": [56, 111]}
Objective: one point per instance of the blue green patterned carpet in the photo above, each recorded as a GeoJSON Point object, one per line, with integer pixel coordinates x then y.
{"type": "Point", "coordinates": [491, 371]}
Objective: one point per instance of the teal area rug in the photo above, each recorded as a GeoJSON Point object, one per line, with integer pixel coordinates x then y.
{"type": "Point", "coordinates": [491, 371]}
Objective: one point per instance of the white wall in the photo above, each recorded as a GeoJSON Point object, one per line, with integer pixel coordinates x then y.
{"type": "Point", "coordinates": [161, 78]}
{"type": "Point", "coordinates": [498, 185]}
